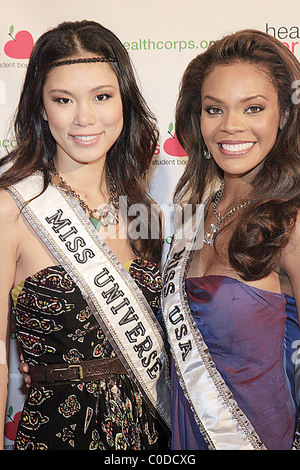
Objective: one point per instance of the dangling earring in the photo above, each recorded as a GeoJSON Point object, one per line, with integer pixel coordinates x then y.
{"type": "Point", "coordinates": [206, 153]}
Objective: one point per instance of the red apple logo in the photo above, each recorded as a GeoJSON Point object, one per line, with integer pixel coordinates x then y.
{"type": "Point", "coordinates": [172, 146]}
{"type": "Point", "coordinates": [21, 45]}
{"type": "Point", "coordinates": [10, 428]}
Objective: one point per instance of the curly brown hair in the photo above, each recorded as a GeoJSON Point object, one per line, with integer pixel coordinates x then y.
{"type": "Point", "coordinates": [264, 226]}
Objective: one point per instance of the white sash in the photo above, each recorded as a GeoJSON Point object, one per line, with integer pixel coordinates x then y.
{"type": "Point", "coordinates": [114, 298]}
{"type": "Point", "coordinates": [220, 420]}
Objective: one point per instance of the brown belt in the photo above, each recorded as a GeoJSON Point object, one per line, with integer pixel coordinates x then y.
{"type": "Point", "coordinates": [84, 371]}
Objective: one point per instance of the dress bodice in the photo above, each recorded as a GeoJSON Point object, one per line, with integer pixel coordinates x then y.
{"type": "Point", "coordinates": [48, 306]}
{"type": "Point", "coordinates": [55, 325]}
{"type": "Point", "coordinates": [250, 335]}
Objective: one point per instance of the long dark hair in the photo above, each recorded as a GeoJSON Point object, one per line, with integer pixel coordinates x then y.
{"type": "Point", "coordinates": [129, 158]}
{"type": "Point", "coordinates": [264, 227]}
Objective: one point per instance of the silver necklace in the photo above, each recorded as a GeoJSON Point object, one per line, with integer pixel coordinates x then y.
{"type": "Point", "coordinates": [209, 237]}
{"type": "Point", "coordinates": [108, 215]}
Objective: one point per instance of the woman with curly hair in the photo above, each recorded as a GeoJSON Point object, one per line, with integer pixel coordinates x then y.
{"type": "Point", "coordinates": [231, 295]}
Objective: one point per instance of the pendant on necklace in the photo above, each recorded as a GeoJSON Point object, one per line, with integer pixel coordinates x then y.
{"type": "Point", "coordinates": [106, 216]}
{"type": "Point", "coordinates": [96, 223]}
{"type": "Point", "coordinates": [211, 234]}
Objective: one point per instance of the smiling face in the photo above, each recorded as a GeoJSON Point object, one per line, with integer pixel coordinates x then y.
{"type": "Point", "coordinates": [240, 117]}
{"type": "Point", "coordinates": [83, 107]}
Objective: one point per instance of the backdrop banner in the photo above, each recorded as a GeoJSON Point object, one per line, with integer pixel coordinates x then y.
{"type": "Point", "coordinates": [162, 37]}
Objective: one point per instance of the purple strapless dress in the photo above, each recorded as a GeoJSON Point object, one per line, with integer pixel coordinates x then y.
{"type": "Point", "coordinates": [249, 333]}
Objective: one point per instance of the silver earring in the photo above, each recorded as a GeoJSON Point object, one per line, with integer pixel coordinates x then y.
{"type": "Point", "coordinates": [207, 154]}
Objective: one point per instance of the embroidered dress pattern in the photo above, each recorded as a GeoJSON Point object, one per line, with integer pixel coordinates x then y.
{"type": "Point", "coordinates": [54, 325]}
{"type": "Point", "coordinates": [92, 266]}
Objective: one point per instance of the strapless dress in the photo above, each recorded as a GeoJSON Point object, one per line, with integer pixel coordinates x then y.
{"type": "Point", "coordinates": [54, 325]}
{"type": "Point", "coordinates": [252, 337]}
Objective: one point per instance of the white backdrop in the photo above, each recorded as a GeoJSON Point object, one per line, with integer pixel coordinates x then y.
{"type": "Point", "coordinates": [162, 36]}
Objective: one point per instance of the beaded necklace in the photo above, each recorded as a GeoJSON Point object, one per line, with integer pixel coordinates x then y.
{"type": "Point", "coordinates": [106, 215]}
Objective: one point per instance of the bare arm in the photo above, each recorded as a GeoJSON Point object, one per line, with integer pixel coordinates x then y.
{"type": "Point", "coordinates": [8, 259]}
{"type": "Point", "coordinates": [290, 262]}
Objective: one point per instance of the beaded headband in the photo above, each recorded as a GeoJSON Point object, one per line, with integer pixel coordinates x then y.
{"type": "Point", "coordinates": [84, 60]}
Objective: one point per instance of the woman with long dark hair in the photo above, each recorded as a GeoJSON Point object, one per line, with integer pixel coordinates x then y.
{"type": "Point", "coordinates": [84, 279]}
{"type": "Point", "coordinates": [232, 313]}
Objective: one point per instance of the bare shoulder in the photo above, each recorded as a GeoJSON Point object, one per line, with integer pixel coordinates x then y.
{"type": "Point", "coordinates": [295, 235]}
{"type": "Point", "coordinates": [9, 226]}
{"type": "Point", "coordinates": [290, 262]}
{"type": "Point", "coordinates": [290, 257]}
{"type": "Point", "coordinates": [8, 207]}
{"type": "Point", "coordinates": [9, 242]}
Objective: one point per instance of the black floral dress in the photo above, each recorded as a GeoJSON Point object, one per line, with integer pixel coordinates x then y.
{"type": "Point", "coordinates": [54, 325]}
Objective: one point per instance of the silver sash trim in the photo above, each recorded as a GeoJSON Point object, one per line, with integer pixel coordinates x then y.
{"type": "Point", "coordinates": [221, 422]}
{"type": "Point", "coordinates": [114, 298]}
